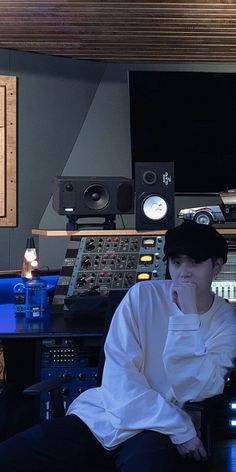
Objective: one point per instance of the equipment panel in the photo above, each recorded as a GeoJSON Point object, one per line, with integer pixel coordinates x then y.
{"type": "Point", "coordinates": [225, 283]}
{"type": "Point", "coordinates": [103, 263]}
{"type": "Point", "coordinates": [73, 359]}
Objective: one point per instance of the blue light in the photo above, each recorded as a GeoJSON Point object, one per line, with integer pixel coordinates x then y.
{"type": "Point", "coordinates": [7, 284]}
{"type": "Point", "coordinates": [232, 458]}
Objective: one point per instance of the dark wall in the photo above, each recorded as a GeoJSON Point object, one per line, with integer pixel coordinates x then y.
{"type": "Point", "coordinates": [53, 99]}
{"type": "Point", "coordinates": [73, 119]}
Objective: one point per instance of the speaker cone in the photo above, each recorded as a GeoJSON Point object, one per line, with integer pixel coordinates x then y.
{"type": "Point", "coordinates": [96, 197]}
{"type": "Point", "coordinates": [155, 207]}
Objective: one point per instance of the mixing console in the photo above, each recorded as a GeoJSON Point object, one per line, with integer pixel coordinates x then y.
{"type": "Point", "coordinates": [102, 263]}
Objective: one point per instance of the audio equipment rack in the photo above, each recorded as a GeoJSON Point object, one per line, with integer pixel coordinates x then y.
{"type": "Point", "coordinates": [75, 359]}
{"type": "Point", "coordinates": [103, 263]}
{"type": "Point", "coordinates": [118, 259]}
{"type": "Point", "coordinates": [224, 284]}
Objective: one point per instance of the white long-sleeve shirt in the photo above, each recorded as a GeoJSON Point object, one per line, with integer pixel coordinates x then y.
{"type": "Point", "coordinates": [158, 358]}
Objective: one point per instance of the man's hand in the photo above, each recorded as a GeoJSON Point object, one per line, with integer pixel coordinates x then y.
{"type": "Point", "coordinates": [185, 297]}
{"type": "Point", "coordinates": [193, 449]}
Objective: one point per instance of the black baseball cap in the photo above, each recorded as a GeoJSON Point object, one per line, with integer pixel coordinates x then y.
{"type": "Point", "coordinates": [198, 241]}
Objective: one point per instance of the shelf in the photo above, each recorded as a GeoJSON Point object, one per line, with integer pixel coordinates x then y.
{"type": "Point", "coordinates": [96, 232]}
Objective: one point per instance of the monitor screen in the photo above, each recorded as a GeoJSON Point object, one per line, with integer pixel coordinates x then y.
{"type": "Point", "coordinates": [187, 118]}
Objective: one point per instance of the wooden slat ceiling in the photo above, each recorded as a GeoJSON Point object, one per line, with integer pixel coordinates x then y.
{"type": "Point", "coordinates": [128, 31]}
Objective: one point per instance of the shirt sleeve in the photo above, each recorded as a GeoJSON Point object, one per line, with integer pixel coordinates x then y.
{"type": "Point", "coordinates": [196, 368]}
{"type": "Point", "coordinates": [130, 402]}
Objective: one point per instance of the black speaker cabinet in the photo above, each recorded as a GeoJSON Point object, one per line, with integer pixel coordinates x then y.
{"type": "Point", "coordinates": [93, 196]}
{"type": "Point", "coordinates": [155, 195]}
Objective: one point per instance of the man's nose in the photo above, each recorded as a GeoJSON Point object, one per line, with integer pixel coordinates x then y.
{"type": "Point", "coordinates": [185, 270]}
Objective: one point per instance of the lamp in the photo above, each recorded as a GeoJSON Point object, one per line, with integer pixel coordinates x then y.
{"type": "Point", "coordinates": [30, 260]}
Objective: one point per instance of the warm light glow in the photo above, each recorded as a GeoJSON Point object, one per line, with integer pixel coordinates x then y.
{"type": "Point", "coordinates": [30, 254]}
{"type": "Point", "coordinates": [34, 264]}
{"type": "Point", "coordinates": [26, 271]}
{"type": "Point", "coordinates": [30, 261]}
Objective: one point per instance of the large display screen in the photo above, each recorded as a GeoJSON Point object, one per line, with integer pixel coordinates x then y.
{"type": "Point", "coordinates": [187, 118]}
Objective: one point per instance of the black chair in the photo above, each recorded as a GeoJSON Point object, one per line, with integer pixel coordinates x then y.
{"type": "Point", "coordinates": [202, 412]}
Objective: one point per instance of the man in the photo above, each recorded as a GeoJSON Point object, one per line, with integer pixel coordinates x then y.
{"type": "Point", "coordinates": [170, 342]}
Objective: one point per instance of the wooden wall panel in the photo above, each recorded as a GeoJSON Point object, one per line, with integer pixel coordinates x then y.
{"type": "Point", "coordinates": [2, 150]}
{"type": "Point", "coordinates": [143, 31]}
{"type": "Point", "coordinates": [8, 204]}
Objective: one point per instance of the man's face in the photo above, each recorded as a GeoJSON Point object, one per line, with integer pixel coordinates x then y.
{"type": "Point", "coordinates": [184, 269]}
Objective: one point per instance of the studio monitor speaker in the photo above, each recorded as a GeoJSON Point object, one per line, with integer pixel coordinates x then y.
{"type": "Point", "coordinates": [93, 196]}
{"type": "Point", "coordinates": [155, 195]}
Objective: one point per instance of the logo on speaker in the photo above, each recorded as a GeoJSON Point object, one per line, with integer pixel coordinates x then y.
{"type": "Point", "coordinates": [166, 178]}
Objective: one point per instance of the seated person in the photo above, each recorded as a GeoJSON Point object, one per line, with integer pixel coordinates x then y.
{"type": "Point", "coordinates": [170, 342]}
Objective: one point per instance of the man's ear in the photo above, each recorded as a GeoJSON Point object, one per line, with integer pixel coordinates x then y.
{"type": "Point", "coordinates": [218, 266]}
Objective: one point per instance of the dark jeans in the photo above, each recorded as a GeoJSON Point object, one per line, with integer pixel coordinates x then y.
{"type": "Point", "coordinates": [66, 444]}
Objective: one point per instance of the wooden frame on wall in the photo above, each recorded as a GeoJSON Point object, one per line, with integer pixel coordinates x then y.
{"type": "Point", "coordinates": [8, 203]}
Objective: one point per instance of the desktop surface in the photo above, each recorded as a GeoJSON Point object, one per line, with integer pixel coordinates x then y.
{"type": "Point", "coordinates": [12, 326]}
{"type": "Point", "coordinates": [53, 325]}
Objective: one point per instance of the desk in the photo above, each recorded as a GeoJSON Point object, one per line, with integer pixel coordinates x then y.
{"type": "Point", "coordinates": [28, 346]}
{"type": "Point", "coordinates": [17, 327]}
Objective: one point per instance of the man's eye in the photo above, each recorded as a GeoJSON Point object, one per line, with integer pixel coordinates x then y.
{"type": "Point", "coordinates": [176, 262]}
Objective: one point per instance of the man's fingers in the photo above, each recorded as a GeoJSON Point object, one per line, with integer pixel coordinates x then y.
{"type": "Point", "coordinates": [203, 452]}
{"type": "Point", "coordinates": [200, 454]}
{"type": "Point", "coordinates": [197, 456]}
{"type": "Point", "coordinates": [193, 449]}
